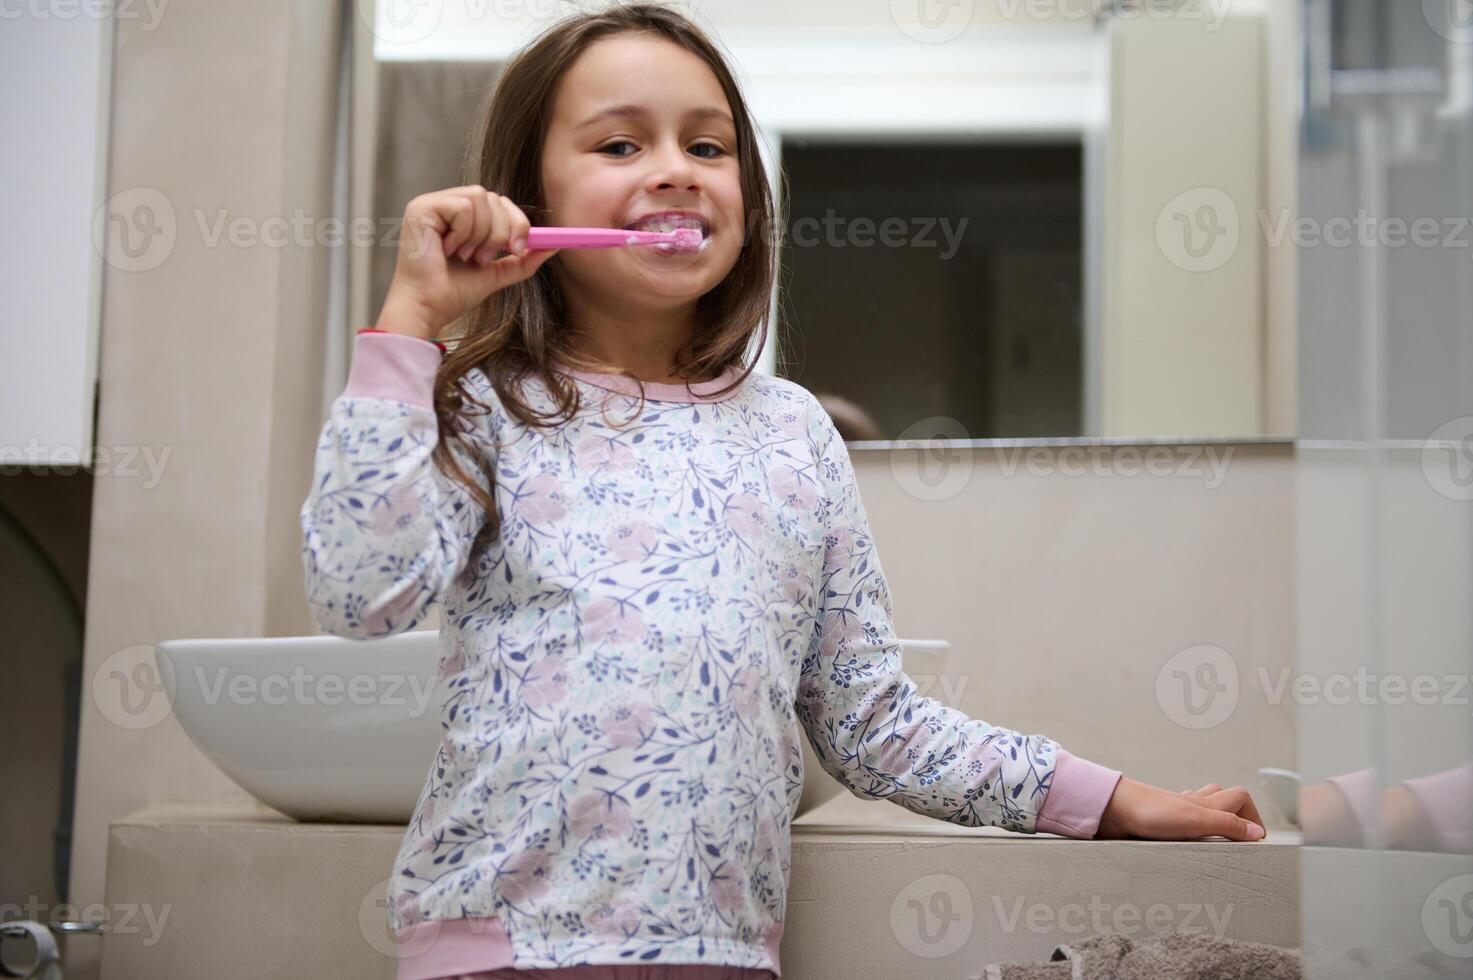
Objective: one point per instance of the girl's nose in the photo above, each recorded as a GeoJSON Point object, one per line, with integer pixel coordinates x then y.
{"type": "Point", "coordinates": [670, 167]}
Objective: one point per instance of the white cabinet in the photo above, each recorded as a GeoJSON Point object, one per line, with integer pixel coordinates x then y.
{"type": "Point", "coordinates": [55, 65]}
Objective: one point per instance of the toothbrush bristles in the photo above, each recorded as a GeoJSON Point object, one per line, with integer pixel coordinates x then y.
{"type": "Point", "coordinates": [688, 239]}
{"type": "Point", "coordinates": [681, 240]}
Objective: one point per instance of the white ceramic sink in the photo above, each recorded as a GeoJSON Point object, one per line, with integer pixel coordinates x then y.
{"type": "Point", "coordinates": [327, 728]}
{"type": "Point", "coordinates": [351, 741]}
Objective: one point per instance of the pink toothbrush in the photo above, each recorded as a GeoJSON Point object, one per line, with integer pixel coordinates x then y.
{"type": "Point", "coordinates": [683, 239]}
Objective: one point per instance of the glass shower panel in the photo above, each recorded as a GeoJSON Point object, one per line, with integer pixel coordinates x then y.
{"type": "Point", "coordinates": [1385, 493]}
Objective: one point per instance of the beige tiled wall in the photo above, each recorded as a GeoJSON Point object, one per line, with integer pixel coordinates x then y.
{"type": "Point", "coordinates": [1064, 595]}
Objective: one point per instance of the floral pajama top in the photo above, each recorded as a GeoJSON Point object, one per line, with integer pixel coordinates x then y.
{"type": "Point", "coordinates": [676, 597]}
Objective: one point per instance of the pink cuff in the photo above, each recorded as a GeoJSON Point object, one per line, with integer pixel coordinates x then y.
{"type": "Point", "coordinates": [1077, 797]}
{"type": "Point", "coordinates": [1362, 794]}
{"type": "Point", "coordinates": [394, 366]}
{"type": "Point", "coordinates": [1447, 797]}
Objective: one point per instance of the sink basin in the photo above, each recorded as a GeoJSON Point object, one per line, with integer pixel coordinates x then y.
{"type": "Point", "coordinates": [351, 742]}
{"type": "Point", "coordinates": [327, 728]}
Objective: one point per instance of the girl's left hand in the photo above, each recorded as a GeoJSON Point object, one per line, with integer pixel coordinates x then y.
{"type": "Point", "coordinates": [1140, 810]}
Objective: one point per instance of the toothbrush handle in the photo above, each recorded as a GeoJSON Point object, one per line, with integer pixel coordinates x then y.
{"type": "Point", "coordinates": [539, 236]}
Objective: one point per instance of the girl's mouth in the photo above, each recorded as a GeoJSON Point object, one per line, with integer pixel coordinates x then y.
{"type": "Point", "coordinates": [670, 221]}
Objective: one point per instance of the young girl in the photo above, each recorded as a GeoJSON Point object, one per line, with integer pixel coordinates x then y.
{"type": "Point", "coordinates": [654, 570]}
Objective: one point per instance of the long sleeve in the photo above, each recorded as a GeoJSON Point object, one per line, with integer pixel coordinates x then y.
{"type": "Point", "coordinates": [873, 732]}
{"type": "Point", "coordinates": [384, 530]}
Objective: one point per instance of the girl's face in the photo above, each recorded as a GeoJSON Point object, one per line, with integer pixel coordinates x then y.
{"type": "Point", "coordinates": [669, 143]}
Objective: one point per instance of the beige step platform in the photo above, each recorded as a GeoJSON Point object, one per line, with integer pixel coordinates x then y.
{"type": "Point", "coordinates": [876, 892]}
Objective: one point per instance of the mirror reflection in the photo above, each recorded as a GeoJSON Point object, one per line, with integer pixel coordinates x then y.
{"type": "Point", "coordinates": [1036, 220]}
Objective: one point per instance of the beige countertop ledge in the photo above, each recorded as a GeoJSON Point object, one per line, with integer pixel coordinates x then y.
{"type": "Point", "coordinates": [845, 815]}
{"type": "Point", "coordinates": [240, 892]}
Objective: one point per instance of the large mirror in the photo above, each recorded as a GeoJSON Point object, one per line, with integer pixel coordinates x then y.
{"type": "Point", "coordinates": [1004, 219]}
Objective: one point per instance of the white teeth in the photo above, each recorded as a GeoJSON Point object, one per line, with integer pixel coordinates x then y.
{"type": "Point", "coordinates": [667, 224]}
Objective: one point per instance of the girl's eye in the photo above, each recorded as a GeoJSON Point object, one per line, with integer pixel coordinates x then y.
{"type": "Point", "coordinates": [709, 146]}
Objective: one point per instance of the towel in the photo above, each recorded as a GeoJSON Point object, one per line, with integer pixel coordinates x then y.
{"type": "Point", "coordinates": [1177, 956]}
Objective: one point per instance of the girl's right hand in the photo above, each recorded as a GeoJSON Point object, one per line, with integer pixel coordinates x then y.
{"type": "Point", "coordinates": [1141, 810]}
{"type": "Point", "coordinates": [447, 258]}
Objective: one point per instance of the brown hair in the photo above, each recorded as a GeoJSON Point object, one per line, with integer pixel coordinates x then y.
{"type": "Point", "coordinates": [517, 331]}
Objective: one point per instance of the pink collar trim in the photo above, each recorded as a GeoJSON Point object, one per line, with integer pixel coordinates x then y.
{"type": "Point", "coordinates": [699, 391]}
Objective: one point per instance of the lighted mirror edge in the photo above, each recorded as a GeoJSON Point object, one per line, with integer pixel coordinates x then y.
{"type": "Point", "coordinates": [1044, 441]}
